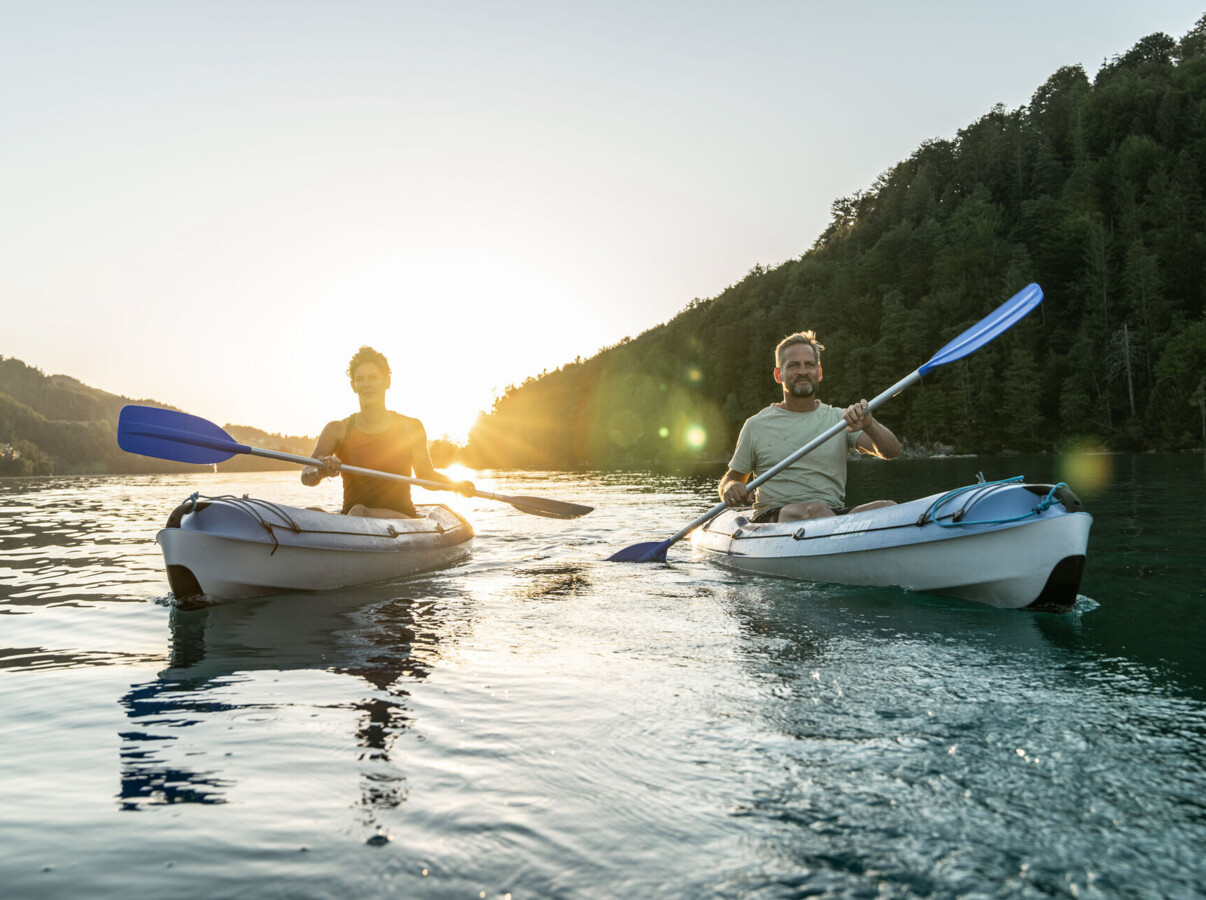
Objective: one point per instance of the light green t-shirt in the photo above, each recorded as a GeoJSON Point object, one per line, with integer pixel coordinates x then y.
{"type": "Point", "coordinates": [772, 435]}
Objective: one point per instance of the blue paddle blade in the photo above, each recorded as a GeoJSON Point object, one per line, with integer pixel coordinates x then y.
{"type": "Point", "coordinates": [991, 326]}
{"type": "Point", "coordinates": [652, 551]}
{"type": "Point", "coordinates": [168, 434]}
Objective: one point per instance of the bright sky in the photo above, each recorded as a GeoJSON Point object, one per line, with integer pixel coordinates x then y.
{"type": "Point", "coordinates": [213, 204]}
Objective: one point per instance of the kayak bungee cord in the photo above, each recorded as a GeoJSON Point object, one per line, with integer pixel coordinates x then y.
{"type": "Point", "coordinates": [252, 506]}
{"type": "Point", "coordinates": [957, 519]}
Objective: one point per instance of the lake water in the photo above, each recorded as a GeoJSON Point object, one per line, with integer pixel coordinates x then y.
{"type": "Point", "coordinates": [542, 723]}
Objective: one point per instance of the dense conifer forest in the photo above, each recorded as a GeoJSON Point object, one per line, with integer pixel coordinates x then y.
{"type": "Point", "coordinates": [1094, 190]}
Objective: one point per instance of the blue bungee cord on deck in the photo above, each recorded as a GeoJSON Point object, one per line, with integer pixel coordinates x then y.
{"type": "Point", "coordinates": [957, 518]}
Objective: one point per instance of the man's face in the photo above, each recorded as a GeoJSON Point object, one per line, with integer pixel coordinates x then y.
{"type": "Point", "coordinates": [798, 370]}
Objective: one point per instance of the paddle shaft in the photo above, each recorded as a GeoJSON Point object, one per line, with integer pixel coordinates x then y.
{"type": "Point", "coordinates": [171, 434]}
{"type": "Point", "coordinates": [774, 470]}
{"type": "Point", "coordinates": [374, 473]}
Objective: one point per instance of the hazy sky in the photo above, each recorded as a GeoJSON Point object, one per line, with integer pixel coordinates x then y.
{"type": "Point", "coordinates": [213, 204]}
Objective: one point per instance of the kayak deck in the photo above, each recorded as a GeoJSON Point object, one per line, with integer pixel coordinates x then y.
{"type": "Point", "coordinates": [1006, 544]}
{"type": "Point", "coordinates": [233, 547]}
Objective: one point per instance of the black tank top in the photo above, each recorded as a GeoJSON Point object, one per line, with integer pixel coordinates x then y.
{"type": "Point", "coordinates": [389, 451]}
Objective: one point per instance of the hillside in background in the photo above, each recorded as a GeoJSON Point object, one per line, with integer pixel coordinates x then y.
{"type": "Point", "coordinates": [53, 424]}
{"type": "Point", "coordinates": [1094, 190]}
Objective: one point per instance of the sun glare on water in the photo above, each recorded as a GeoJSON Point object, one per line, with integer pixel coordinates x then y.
{"type": "Point", "coordinates": [461, 472]}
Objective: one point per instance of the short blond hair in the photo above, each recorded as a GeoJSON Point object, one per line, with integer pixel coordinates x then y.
{"type": "Point", "coordinates": [799, 337]}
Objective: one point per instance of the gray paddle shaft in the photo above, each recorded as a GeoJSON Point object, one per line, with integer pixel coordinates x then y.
{"type": "Point", "coordinates": [374, 473]}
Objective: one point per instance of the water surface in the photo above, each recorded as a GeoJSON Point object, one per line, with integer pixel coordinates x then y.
{"type": "Point", "coordinates": [542, 723]}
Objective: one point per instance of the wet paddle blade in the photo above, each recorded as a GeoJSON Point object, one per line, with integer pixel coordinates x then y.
{"type": "Point", "coordinates": [990, 327]}
{"type": "Point", "coordinates": [169, 434]}
{"type": "Point", "coordinates": [650, 551]}
{"type": "Point", "coordinates": [550, 509]}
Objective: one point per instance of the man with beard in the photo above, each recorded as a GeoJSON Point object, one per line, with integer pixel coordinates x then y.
{"type": "Point", "coordinates": [815, 485]}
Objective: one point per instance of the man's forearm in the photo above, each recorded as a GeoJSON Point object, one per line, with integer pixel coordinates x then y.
{"type": "Point", "coordinates": [886, 444]}
{"type": "Point", "coordinates": [724, 483]}
{"type": "Point", "coordinates": [730, 480]}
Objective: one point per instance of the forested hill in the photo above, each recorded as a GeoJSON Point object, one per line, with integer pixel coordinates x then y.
{"type": "Point", "coordinates": [53, 424]}
{"type": "Point", "coordinates": [1094, 190]}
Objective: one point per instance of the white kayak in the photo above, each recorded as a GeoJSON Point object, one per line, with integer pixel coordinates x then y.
{"type": "Point", "coordinates": [1007, 544]}
{"type": "Point", "coordinates": [232, 547]}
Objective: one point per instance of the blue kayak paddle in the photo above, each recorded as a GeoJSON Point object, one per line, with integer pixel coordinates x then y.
{"type": "Point", "coordinates": [169, 434]}
{"type": "Point", "coordinates": [994, 324]}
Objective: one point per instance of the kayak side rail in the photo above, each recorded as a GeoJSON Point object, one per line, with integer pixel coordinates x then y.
{"type": "Point", "coordinates": [1049, 495]}
{"type": "Point", "coordinates": [921, 520]}
{"type": "Point", "coordinates": [801, 533]}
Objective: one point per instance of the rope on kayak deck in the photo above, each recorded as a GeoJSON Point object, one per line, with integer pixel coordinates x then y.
{"type": "Point", "coordinates": [982, 490]}
{"type": "Point", "coordinates": [249, 506]}
{"type": "Point", "coordinates": [254, 508]}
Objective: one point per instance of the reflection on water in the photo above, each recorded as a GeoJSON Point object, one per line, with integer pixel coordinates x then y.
{"type": "Point", "coordinates": [147, 774]}
{"type": "Point", "coordinates": [388, 642]}
{"type": "Point", "coordinates": [544, 723]}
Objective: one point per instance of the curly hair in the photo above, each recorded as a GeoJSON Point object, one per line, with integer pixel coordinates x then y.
{"type": "Point", "coordinates": [800, 337]}
{"type": "Point", "coordinates": [368, 355]}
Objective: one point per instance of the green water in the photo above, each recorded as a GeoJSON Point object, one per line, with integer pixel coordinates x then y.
{"type": "Point", "coordinates": [1147, 550]}
{"type": "Point", "coordinates": [542, 723]}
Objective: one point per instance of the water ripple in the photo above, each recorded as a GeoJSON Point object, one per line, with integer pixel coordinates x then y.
{"type": "Point", "coordinates": [545, 723]}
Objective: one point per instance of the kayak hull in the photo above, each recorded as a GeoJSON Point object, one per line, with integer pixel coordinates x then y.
{"type": "Point", "coordinates": [1007, 544]}
{"type": "Point", "coordinates": [231, 548]}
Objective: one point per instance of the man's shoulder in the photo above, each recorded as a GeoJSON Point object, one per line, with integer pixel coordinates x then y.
{"type": "Point", "coordinates": [759, 422]}
{"type": "Point", "coordinates": [765, 412]}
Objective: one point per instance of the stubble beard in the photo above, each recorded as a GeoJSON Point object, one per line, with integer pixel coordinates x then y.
{"type": "Point", "coordinates": [802, 388]}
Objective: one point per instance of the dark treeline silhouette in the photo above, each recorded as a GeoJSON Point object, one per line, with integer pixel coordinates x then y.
{"type": "Point", "coordinates": [1094, 190]}
{"type": "Point", "coordinates": [53, 424]}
